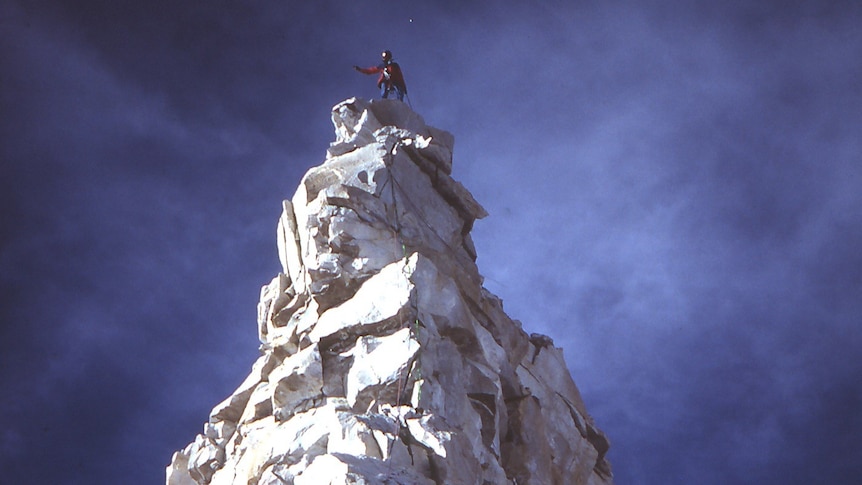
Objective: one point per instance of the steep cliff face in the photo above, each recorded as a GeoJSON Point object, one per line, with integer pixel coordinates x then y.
{"type": "Point", "coordinates": [383, 359]}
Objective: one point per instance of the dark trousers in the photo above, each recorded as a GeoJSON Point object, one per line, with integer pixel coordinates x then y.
{"type": "Point", "coordinates": [386, 89]}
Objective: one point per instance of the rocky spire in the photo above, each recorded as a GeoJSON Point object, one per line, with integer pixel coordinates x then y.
{"type": "Point", "coordinates": [383, 359]}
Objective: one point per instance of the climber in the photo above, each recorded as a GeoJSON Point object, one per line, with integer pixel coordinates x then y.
{"type": "Point", "coordinates": [390, 77]}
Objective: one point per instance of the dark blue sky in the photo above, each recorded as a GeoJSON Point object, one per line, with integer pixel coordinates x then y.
{"type": "Point", "coordinates": [675, 191]}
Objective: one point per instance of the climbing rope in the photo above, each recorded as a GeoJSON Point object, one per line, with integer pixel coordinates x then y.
{"type": "Point", "coordinates": [419, 213]}
{"type": "Point", "coordinates": [414, 330]}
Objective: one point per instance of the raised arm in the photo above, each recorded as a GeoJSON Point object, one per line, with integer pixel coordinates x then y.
{"type": "Point", "coordinates": [368, 70]}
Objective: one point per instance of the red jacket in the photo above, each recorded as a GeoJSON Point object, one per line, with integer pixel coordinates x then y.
{"type": "Point", "coordinates": [390, 74]}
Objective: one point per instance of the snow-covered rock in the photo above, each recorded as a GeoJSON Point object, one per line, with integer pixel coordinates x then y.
{"type": "Point", "coordinates": [383, 359]}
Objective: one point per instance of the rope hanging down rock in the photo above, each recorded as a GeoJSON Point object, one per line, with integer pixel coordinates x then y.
{"type": "Point", "coordinates": [413, 363]}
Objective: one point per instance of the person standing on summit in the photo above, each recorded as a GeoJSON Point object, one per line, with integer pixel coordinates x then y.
{"type": "Point", "coordinates": [390, 78]}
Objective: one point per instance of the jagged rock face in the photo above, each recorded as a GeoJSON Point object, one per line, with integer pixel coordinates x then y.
{"type": "Point", "coordinates": [384, 360]}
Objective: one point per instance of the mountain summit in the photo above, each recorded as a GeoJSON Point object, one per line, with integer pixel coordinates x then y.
{"type": "Point", "coordinates": [383, 359]}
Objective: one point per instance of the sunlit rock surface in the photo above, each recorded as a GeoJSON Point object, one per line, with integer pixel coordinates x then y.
{"type": "Point", "coordinates": [383, 359]}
